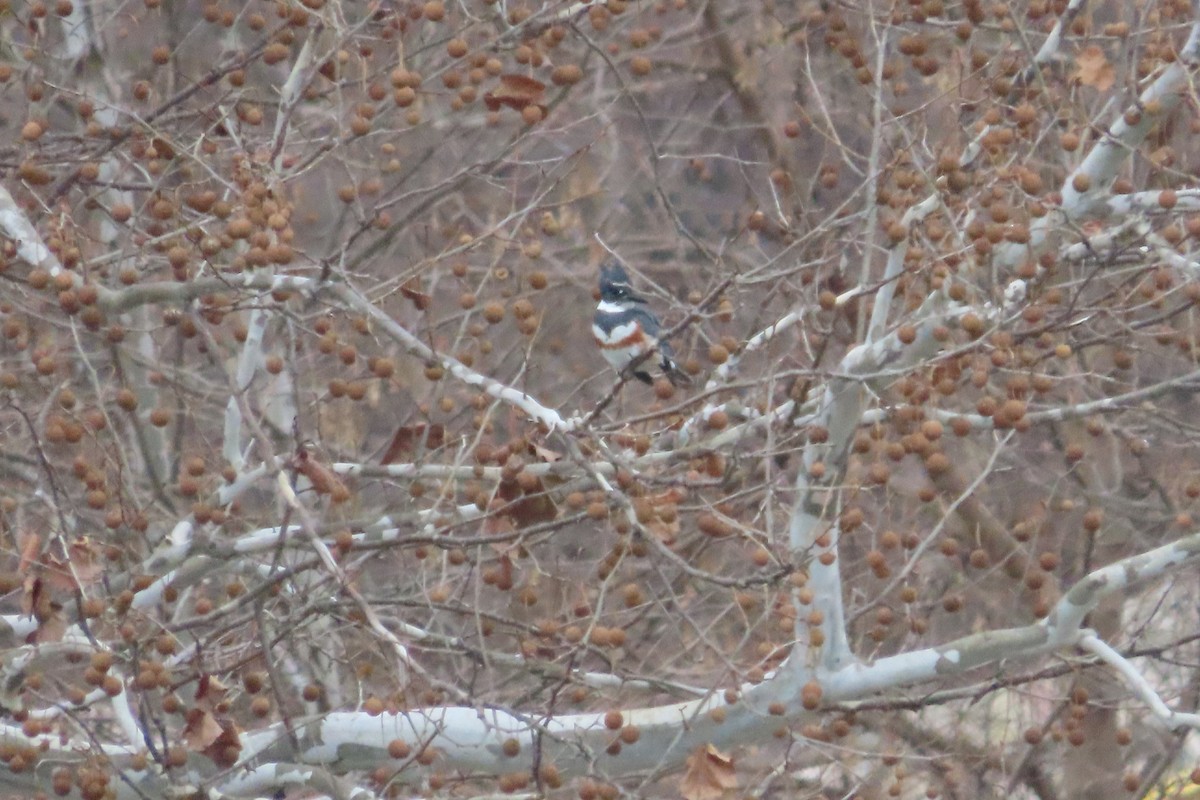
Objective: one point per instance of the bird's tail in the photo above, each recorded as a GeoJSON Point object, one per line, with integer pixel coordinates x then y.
{"type": "Point", "coordinates": [674, 373]}
{"type": "Point", "coordinates": [670, 368]}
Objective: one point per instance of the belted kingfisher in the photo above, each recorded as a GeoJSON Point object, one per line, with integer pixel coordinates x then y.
{"type": "Point", "coordinates": [624, 328]}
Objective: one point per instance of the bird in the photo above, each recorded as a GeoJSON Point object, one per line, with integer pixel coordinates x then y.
{"type": "Point", "coordinates": [624, 328]}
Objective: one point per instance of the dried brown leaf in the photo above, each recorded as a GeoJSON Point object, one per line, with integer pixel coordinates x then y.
{"type": "Point", "coordinates": [667, 532]}
{"type": "Point", "coordinates": [546, 454]}
{"type": "Point", "coordinates": [31, 545]}
{"type": "Point", "coordinates": [671, 496]}
{"type": "Point", "coordinates": [202, 729]}
{"type": "Point", "coordinates": [226, 748]}
{"type": "Point", "coordinates": [498, 525]}
{"type": "Point", "coordinates": [408, 438]}
{"type": "Point", "coordinates": [411, 289]}
{"type": "Point", "coordinates": [532, 509]}
{"type": "Point", "coordinates": [516, 92]}
{"type": "Point", "coordinates": [323, 479]}
{"type": "Point", "coordinates": [1094, 69]}
{"type": "Point", "coordinates": [709, 775]}
{"type": "Point", "coordinates": [50, 629]}
{"type": "Point", "coordinates": [210, 689]}
{"type": "Point", "coordinates": [82, 568]}
{"type": "Point", "coordinates": [36, 600]}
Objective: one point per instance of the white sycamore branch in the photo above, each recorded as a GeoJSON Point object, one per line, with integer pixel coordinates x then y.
{"type": "Point", "coordinates": [1089, 185]}
{"type": "Point", "coordinates": [1093, 644]}
{"type": "Point", "coordinates": [472, 739]}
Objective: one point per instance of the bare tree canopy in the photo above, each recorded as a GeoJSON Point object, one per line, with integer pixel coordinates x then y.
{"type": "Point", "coordinates": [315, 484]}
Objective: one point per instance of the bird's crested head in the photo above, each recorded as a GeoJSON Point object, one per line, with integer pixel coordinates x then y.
{"type": "Point", "coordinates": [614, 284]}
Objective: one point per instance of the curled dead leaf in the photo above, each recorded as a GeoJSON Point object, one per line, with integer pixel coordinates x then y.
{"type": "Point", "coordinates": [516, 92]}
{"type": "Point", "coordinates": [30, 546]}
{"type": "Point", "coordinates": [531, 509]}
{"type": "Point", "coordinates": [82, 567]}
{"type": "Point", "coordinates": [409, 438]}
{"type": "Point", "coordinates": [323, 479]}
{"type": "Point", "coordinates": [411, 289]}
{"type": "Point", "coordinates": [1092, 68]}
{"type": "Point", "coordinates": [51, 628]}
{"type": "Point", "coordinates": [545, 453]}
{"type": "Point", "coordinates": [210, 689]}
{"type": "Point", "coordinates": [217, 739]}
{"type": "Point", "coordinates": [709, 775]}
{"type": "Point", "coordinates": [36, 600]}
{"type": "Point", "coordinates": [202, 729]}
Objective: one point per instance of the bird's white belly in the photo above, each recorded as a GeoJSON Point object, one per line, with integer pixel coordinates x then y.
{"type": "Point", "coordinates": [618, 358]}
{"type": "Point", "coordinates": [619, 345]}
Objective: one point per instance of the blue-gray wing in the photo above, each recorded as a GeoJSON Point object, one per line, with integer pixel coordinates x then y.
{"type": "Point", "coordinates": [649, 322]}
{"type": "Point", "coordinates": [653, 328]}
